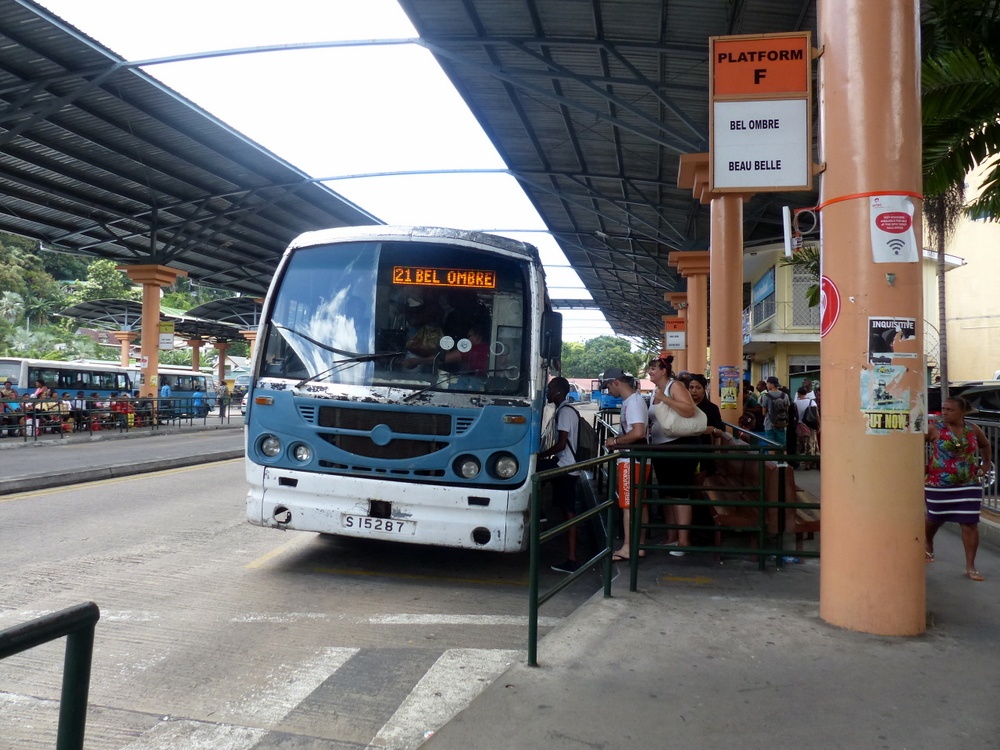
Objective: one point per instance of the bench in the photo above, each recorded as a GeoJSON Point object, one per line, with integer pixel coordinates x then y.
{"type": "Point", "coordinates": [720, 486]}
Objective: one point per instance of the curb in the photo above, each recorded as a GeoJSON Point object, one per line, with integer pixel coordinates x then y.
{"type": "Point", "coordinates": [47, 481]}
{"type": "Point", "coordinates": [83, 439]}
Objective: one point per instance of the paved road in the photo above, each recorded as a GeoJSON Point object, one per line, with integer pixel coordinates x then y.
{"type": "Point", "coordinates": [215, 633]}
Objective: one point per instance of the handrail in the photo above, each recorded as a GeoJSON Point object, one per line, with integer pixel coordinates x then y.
{"type": "Point", "coordinates": [108, 414]}
{"type": "Point", "coordinates": [77, 624]}
{"type": "Point", "coordinates": [537, 537]}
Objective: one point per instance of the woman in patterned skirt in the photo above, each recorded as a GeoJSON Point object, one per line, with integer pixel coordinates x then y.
{"type": "Point", "coordinates": [953, 490]}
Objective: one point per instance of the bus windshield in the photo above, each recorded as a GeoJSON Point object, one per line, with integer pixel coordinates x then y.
{"type": "Point", "coordinates": [421, 316]}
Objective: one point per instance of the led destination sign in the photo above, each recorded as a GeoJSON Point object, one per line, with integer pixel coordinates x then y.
{"type": "Point", "coordinates": [457, 277]}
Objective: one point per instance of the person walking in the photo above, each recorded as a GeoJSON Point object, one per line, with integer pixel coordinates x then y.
{"type": "Point", "coordinates": [953, 489]}
{"type": "Point", "coordinates": [563, 453]}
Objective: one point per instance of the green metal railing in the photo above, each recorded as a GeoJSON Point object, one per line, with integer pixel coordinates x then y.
{"type": "Point", "coordinates": [644, 495]}
{"type": "Point", "coordinates": [77, 624]}
{"type": "Point", "coordinates": [538, 537]}
{"type": "Point", "coordinates": [761, 451]}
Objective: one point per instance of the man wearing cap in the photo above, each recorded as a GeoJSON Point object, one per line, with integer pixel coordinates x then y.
{"type": "Point", "coordinates": [631, 433]}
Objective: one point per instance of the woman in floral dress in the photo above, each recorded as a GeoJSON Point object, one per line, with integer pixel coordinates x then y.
{"type": "Point", "coordinates": [953, 489]}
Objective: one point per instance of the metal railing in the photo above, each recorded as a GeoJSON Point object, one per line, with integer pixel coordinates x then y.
{"type": "Point", "coordinates": [766, 529]}
{"type": "Point", "coordinates": [991, 492]}
{"type": "Point", "coordinates": [34, 419]}
{"type": "Point", "coordinates": [537, 537]}
{"type": "Point", "coordinates": [77, 624]}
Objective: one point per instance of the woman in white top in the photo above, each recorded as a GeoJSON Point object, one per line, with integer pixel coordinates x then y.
{"type": "Point", "coordinates": [806, 438]}
{"type": "Point", "coordinates": [631, 432]}
{"type": "Point", "coordinates": [673, 471]}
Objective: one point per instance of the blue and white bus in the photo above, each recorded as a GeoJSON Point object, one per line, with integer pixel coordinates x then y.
{"type": "Point", "coordinates": [89, 376]}
{"type": "Point", "coordinates": [398, 387]}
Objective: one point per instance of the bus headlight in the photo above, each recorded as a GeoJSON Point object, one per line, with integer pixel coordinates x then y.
{"type": "Point", "coordinates": [302, 452]}
{"type": "Point", "coordinates": [467, 467]}
{"type": "Point", "coordinates": [270, 446]}
{"type": "Point", "coordinates": [504, 465]}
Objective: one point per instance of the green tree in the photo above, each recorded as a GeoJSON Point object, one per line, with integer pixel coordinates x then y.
{"type": "Point", "coordinates": [960, 79]}
{"type": "Point", "coordinates": [104, 281]}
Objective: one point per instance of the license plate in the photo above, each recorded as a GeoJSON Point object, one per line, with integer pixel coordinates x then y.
{"type": "Point", "coordinates": [383, 525]}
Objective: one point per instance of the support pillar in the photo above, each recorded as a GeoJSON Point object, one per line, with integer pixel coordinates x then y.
{"type": "Point", "coordinates": [678, 300]}
{"type": "Point", "coordinates": [251, 336]}
{"type": "Point", "coordinates": [125, 338]}
{"type": "Point", "coordinates": [195, 345]}
{"type": "Point", "coordinates": [152, 277]}
{"type": "Point", "coordinates": [693, 265]}
{"type": "Point", "coordinates": [726, 332]}
{"type": "Point", "coordinates": [872, 578]}
{"type": "Point", "coordinates": [221, 346]}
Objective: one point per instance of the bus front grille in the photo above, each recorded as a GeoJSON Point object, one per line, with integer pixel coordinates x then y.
{"type": "Point", "coordinates": [398, 448]}
{"type": "Point", "coordinates": [414, 421]}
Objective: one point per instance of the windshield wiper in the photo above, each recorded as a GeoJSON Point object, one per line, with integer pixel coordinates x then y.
{"type": "Point", "coordinates": [321, 345]}
{"type": "Point", "coordinates": [444, 381]}
{"type": "Point", "coordinates": [342, 363]}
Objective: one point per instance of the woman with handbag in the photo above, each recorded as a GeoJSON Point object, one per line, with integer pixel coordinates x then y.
{"type": "Point", "coordinates": [674, 420]}
{"type": "Point", "coordinates": [807, 426]}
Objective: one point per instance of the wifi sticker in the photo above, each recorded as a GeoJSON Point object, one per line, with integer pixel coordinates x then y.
{"type": "Point", "coordinates": [893, 239]}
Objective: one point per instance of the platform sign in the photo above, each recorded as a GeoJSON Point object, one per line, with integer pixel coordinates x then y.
{"type": "Point", "coordinates": [166, 334]}
{"type": "Point", "coordinates": [676, 334]}
{"type": "Point", "coordinates": [760, 112]}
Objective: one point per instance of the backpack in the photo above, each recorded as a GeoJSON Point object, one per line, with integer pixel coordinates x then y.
{"type": "Point", "coordinates": [777, 410]}
{"type": "Point", "coordinates": [586, 439]}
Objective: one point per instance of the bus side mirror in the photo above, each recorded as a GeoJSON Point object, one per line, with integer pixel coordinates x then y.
{"type": "Point", "coordinates": [551, 342]}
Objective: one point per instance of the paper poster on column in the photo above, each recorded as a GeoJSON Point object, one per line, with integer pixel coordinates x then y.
{"type": "Point", "coordinates": [893, 239]}
{"type": "Point", "coordinates": [729, 380]}
{"type": "Point", "coordinates": [891, 338]}
{"type": "Point", "coordinates": [886, 403]}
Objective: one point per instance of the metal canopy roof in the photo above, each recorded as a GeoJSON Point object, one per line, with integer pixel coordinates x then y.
{"type": "Point", "coordinates": [98, 158]}
{"type": "Point", "coordinates": [590, 104]}
{"type": "Point", "coordinates": [243, 312]}
{"type": "Point", "coordinates": [126, 315]}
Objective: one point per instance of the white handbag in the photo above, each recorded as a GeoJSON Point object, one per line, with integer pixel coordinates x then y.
{"type": "Point", "coordinates": [673, 425]}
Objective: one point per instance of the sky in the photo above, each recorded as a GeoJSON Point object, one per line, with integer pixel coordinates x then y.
{"type": "Point", "coordinates": [338, 112]}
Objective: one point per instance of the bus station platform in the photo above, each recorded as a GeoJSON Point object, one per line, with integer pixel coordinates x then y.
{"type": "Point", "coordinates": [724, 656]}
{"type": "Point", "coordinates": [703, 655]}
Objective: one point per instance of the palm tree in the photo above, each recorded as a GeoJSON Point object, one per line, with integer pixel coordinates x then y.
{"type": "Point", "coordinates": [961, 124]}
{"type": "Point", "coordinates": [11, 305]}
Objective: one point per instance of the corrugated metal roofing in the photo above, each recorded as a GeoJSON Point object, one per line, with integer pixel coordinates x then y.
{"type": "Point", "coordinates": [98, 158]}
{"type": "Point", "coordinates": [591, 104]}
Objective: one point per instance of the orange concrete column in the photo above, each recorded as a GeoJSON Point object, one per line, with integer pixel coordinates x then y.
{"type": "Point", "coordinates": [221, 347]}
{"type": "Point", "coordinates": [872, 578]}
{"type": "Point", "coordinates": [727, 304]}
{"type": "Point", "coordinates": [152, 278]}
{"type": "Point", "coordinates": [250, 336]}
{"type": "Point", "coordinates": [678, 300]}
{"type": "Point", "coordinates": [694, 265]}
{"type": "Point", "coordinates": [195, 345]}
{"type": "Point", "coordinates": [125, 338]}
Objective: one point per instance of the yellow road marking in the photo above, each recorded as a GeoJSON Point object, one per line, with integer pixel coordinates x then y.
{"type": "Point", "coordinates": [112, 480]}
{"type": "Point", "coordinates": [263, 559]}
